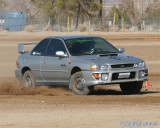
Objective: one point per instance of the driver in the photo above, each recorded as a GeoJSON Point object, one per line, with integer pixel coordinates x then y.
{"type": "Point", "coordinates": [89, 46]}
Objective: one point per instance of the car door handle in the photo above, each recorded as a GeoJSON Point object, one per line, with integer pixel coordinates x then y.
{"type": "Point", "coordinates": [63, 65]}
{"type": "Point", "coordinates": [43, 62]}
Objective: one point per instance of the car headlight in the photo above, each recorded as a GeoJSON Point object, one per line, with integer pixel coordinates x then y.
{"type": "Point", "coordinates": [102, 67]}
{"type": "Point", "coordinates": [140, 65]}
{"type": "Point", "coordinates": [93, 67]}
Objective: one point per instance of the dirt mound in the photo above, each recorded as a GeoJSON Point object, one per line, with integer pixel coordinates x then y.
{"type": "Point", "coordinates": [14, 88]}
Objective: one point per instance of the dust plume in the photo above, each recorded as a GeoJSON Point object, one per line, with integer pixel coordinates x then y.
{"type": "Point", "coordinates": [14, 88]}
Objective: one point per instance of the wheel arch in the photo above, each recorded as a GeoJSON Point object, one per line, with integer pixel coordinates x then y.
{"type": "Point", "coordinates": [75, 69]}
{"type": "Point", "coordinates": [24, 69]}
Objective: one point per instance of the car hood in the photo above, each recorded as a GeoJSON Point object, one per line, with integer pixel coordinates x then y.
{"type": "Point", "coordinates": [110, 59]}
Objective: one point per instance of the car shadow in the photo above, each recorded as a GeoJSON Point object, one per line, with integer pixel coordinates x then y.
{"type": "Point", "coordinates": [115, 92]}
{"type": "Point", "coordinates": [104, 91]}
{"type": "Point", "coordinates": [59, 86]}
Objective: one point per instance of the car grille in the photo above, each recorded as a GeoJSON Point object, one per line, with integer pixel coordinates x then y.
{"type": "Point", "coordinates": [122, 66]}
{"type": "Point", "coordinates": [116, 75]}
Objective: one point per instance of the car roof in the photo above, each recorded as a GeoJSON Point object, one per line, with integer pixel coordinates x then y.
{"type": "Point", "coordinates": [64, 37]}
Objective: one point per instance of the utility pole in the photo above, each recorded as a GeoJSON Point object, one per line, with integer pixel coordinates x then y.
{"type": "Point", "coordinates": [2, 13]}
{"type": "Point", "coordinates": [100, 15]}
{"type": "Point", "coordinates": [1, 20]}
{"type": "Point", "coordinates": [142, 9]}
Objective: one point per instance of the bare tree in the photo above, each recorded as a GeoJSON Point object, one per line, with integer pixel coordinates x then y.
{"type": "Point", "coordinates": [89, 8]}
{"type": "Point", "coordinates": [139, 9]}
{"type": "Point", "coordinates": [22, 5]}
{"type": "Point", "coordinates": [93, 8]}
{"type": "Point", "coordinates": [3, 5]}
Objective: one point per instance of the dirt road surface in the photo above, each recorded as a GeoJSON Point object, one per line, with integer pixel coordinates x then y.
{"type": "Point", "coordinates": [58, 107]}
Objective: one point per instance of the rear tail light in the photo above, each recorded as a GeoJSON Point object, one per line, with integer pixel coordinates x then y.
{"type": "Point", "coordinates": [17, 63]}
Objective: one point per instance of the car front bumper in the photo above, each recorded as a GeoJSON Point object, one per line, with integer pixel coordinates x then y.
{"type": "Point", "coordinates": [90, 79]}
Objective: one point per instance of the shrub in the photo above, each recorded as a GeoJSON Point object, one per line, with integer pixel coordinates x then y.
{"type": "Point", "coordinates": [29, 28]}
{"type": "Point", "coordinates": [82, 28]}
{"type": "Point", "coordinates": [48, 28]}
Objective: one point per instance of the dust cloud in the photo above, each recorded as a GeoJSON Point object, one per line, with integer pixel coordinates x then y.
{"type": "Point", "coordinates": [14, 88]}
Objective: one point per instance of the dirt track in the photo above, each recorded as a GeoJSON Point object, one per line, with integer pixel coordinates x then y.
{"type": "Point", "coordinates": [58, 107]}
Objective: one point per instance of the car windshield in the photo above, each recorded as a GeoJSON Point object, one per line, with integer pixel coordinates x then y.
{"type": "Point", "coordinates": [89, 46]}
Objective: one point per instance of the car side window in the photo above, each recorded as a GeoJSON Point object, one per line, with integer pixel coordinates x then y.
{"type": "Point", "coordinates": [40, 49]}
{"type": "Point", "coordinates": [54, 46]}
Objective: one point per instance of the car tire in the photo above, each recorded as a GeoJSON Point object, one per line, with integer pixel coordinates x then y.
{"type": "Point", "coordinates": [28, 79]}
{"type": "Point", "coordinates": [131, 88]}
{"type": "Point", "coordinates": [77, 84]}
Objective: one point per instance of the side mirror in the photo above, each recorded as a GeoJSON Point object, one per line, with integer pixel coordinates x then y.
{"type": "Point", "coordinates": [61, 54]}
{"type": "Point", "coordinates": [121, 50]}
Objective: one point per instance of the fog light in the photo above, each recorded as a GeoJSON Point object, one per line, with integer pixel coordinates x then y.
{"type": "Point", "coordinates": [141, 74]}
{"type": "Point", "coordinates": [104, 77]}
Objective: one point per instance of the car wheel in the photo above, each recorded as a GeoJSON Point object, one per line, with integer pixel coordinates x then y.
{"type": "Point", "coordinates": [28, 79]}
{"type": "Point", "coordinates": [77, 84]}
{"type": "Point", "coordinates": [131, 88]}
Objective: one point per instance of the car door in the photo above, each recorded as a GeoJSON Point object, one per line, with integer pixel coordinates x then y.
{"type": "Point", "coordinates": [54, 68]}
{"type": "Point", "coordinates": [36, 55]}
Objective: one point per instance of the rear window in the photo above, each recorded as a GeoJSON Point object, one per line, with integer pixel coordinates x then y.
{"type": "Point", "coordinates": [40, 49]}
